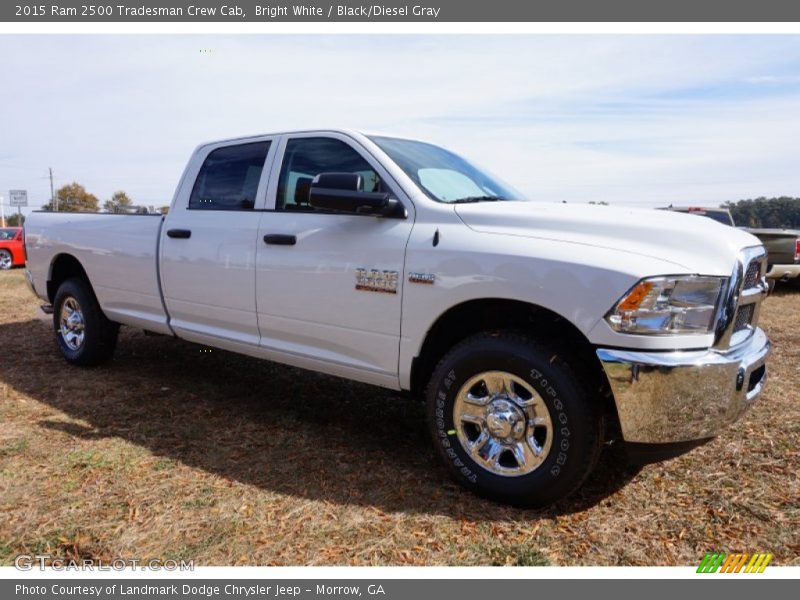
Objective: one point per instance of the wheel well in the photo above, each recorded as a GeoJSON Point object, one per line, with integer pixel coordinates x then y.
{"type": "Point", "coordinates": [476, 316]}
{"type": "Point", "coordinates": [65, 266]}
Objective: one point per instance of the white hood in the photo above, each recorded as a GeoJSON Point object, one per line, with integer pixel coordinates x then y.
{"type": "Point", "coordinates": [693, 243]}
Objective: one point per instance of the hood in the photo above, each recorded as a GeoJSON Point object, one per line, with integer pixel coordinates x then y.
{"type": "Point", "coordinates": [692, 243]}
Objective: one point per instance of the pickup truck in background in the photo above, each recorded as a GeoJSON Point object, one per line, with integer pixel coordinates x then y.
{"type": "Point", "coordinates": [12, 248]}
{"type": "Point", "coordinates": [782, 245]}
{"type": "Point", "coordinates": [783, 252]}
{"type": "Point", "coordinates": [535, 331]}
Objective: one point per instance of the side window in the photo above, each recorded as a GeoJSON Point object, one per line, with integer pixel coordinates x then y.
{"type": "Point", "coordinates": [305, 158]}
{"type": "Point", "coordinates": [228, 179]}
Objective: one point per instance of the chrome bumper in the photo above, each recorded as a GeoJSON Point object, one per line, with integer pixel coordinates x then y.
{"type": "Point", "coordinates": [665, 397]}
{"type": "Point", "coordinates": [784, 272]}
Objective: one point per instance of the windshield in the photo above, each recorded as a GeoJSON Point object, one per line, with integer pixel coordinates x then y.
{"type": "Point", "coordinates": [442, 175]}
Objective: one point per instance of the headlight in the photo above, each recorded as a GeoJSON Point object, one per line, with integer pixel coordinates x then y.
{"type": "Point", "coordinates": [668, 305]}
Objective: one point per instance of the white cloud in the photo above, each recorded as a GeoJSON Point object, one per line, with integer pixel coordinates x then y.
{"type": "Point", "coordinates": [633, 119]}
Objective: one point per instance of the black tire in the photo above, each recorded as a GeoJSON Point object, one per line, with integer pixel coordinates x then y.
{"type": "Point", "coordinates": [575, 433]}
{"type": "Point", "coordinates": [99, 334]}
{"type": "Point", "coordinates": [6, 260]}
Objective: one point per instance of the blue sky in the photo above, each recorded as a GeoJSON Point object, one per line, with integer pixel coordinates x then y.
{"type": "Point", "coordinates": [647, 120]}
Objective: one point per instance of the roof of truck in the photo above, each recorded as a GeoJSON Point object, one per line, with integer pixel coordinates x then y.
{"type": "Point", "coordinates": [343, 131]}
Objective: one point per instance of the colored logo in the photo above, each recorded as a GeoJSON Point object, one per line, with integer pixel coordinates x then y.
{"type": "Point", "coordinates": [734, 563]}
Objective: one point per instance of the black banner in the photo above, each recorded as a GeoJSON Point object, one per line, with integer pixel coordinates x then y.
{"type": "Point", "coordinates": [728, 587]}
{"type": "Point", "coordinates": [204, 11]}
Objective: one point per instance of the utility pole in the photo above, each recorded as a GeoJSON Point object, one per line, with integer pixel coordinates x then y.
{"type": "Point", "coordinates": [2, 213]}
{"type": "Point", "coordinates": [53, 201]}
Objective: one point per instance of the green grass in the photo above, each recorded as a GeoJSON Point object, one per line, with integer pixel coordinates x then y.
{"type": "Point", "coordinates": [13, 447]}
{"type": "Point", "coordinates": [87, 459]}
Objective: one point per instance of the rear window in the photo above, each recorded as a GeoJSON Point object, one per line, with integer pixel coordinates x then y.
{"type": "Point", "coordinates": [718, 216]}
{"type": "Point", "coordinates": [228, 179]}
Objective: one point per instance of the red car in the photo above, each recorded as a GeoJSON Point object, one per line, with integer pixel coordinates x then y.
{"type": "Point", "coordinates": [12, 250]}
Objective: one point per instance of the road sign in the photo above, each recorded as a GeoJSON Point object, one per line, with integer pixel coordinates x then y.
{"type": "Point", "coordinates": [18, 197]}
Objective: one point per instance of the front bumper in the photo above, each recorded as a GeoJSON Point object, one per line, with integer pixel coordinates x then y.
{"type": "Point", "coordinates": [667, 397]}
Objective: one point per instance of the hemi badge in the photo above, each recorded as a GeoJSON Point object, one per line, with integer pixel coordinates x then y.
{"type": "Point", "coordinates": [373, 280]}
{"type": "Point", "coordinates": [426, 278]}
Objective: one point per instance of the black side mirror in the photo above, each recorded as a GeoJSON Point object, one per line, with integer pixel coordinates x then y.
{"type": "Point", "coordinates": [341, 192]}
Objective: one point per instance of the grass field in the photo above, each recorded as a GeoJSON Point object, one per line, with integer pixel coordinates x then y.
{"type": "Point", "coordinates": [172, 452]}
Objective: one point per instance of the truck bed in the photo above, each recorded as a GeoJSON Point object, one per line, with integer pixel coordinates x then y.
{"type": "Point", "coordinates": [118, 252]}
{"type": "Point", "coordinates": [781, 244]}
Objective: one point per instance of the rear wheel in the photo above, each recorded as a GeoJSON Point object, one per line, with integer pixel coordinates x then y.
{"type": "Point", "coordinates": [6, 260]}
{"type": "Point", "coordinates": [511, 421]}
{"type": "Point", "coordinates": [83, 333]}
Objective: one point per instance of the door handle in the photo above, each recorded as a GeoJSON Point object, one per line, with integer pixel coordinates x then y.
{"type": "Point", "coordinates": [280, 239]}
{"type": "Point", "coordinates": [182, 234]}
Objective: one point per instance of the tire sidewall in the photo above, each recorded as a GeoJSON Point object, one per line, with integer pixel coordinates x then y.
{"type": "Point", "coordinates": [3, 251]}
{"type": "Point", "coordinates": [73, 289]}
{"type": "Point", "coordinates": [571, 443]}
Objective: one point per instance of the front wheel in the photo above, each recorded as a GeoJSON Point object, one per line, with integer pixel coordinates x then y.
{"type": "Point", "coordinates": [83, 333]}
{"type": "Point", "coordinates": [511, 421]}
{"type": "Point", "coordinates": [6, 260]}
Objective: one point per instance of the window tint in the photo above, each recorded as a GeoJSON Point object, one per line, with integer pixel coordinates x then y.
{"type": "Point", "coordinates": [228, 179]}
{"type": "Point", "coordinates": [305, 158]}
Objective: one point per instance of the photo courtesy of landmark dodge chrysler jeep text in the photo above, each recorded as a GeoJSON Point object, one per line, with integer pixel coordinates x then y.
{"type": "Point", "coordinates": [536, 331]}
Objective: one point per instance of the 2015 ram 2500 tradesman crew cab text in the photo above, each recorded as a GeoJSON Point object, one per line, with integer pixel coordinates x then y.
{"type": "Point", "coordinates": [535, 330]}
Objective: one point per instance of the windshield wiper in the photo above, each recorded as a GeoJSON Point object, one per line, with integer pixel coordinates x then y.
{"type": "Point", "coordinates": [469, 199]}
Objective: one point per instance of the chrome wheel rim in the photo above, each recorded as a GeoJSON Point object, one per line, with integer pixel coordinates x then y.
{"type": "Point", "coordinates": [72, 328]}
{"type": "Point", "coordinates": [5, 260]}
{"type": "Point", "coordinates": [503, 423]}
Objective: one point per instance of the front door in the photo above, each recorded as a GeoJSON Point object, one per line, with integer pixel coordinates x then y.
{"type": "Point", "coordinates": [329, 286]}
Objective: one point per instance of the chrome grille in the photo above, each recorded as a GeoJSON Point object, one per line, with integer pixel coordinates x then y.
{"type": "Point", "coordinates": [738, 316]}
{"type": "Point", "coordinates": [753, 274]}
{"type": "Point", "coordinates": [744, 317]}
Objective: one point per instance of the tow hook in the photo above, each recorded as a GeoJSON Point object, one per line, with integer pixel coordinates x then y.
{"type": "Point", "coordinates": [740, 380]}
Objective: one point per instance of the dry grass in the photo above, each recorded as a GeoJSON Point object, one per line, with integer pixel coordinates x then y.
{"type": "Point", "coordinates": [172, 452]}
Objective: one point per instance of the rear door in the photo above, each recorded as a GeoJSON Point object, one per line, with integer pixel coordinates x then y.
{"type": "Point", "coordinates": [329, 286]}
{"type": "Point", "coordinates": [208, 243]}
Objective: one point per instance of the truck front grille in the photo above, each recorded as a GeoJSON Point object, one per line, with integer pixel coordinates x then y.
{"type": "Point", "coordinates": [744, 317]}
{"type": "Point", "coordinates": [753, 274]}
{"type": "Point", "coordinates": [739, 315]}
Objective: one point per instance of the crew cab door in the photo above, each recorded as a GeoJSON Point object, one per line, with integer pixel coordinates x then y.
{"type": "Point", "coordinates": [329, 285]}
{"type": "Point", "coordinates": [208, 244]}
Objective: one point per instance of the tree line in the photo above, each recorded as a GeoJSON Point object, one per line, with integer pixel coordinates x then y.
{"type": "Point", "coordinates": [783, 212]}
{"type": "Point", "coordinates": [74, 197]}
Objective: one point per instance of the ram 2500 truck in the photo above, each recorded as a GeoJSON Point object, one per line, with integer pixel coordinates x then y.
{"type": "Point", "coordinates": [535, 331]}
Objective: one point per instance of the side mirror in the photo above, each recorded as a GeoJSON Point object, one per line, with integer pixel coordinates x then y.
{"type": "Point", "coordinates": [341, 192]}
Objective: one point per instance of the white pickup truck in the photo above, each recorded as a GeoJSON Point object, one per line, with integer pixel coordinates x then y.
{"type": "Point", "coordinates": [535, 331]}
